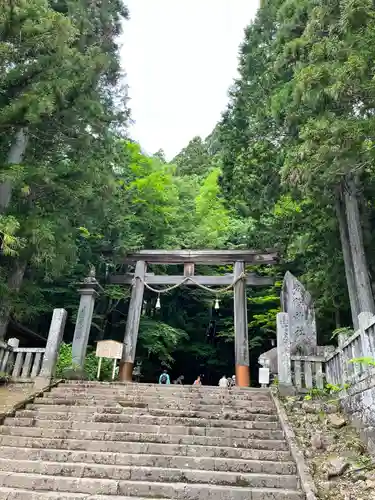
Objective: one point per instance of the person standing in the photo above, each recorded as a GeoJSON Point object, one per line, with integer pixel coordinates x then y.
{"type": "Point", "coordinates": [223, 382]}
{"type": "Point", "coordinates": [164, 378]}
{"type": "Point", "coordinates": [137, 372]}
{"type": "Point", "coordinates": [197, 381]}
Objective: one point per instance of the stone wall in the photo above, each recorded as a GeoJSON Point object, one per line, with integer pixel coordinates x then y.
{"type": "Point", "coordinates": [358, 402]}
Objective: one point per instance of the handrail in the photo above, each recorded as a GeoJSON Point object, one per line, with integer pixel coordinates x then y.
{"type": "Point", "coordinates": [319, 359]}
{"type": "Point", "coordinates": [345, 344]}
{"type": "Point", "coordinates": [21, 363]}
{"type": "Point", "coordinates": [336, 368]}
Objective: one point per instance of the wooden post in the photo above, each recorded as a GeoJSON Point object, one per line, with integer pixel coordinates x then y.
{"type": "Point", "coordinates": [99, 368]}
{"type": "Point", "coordinates": [132, 323]}
{"type": "Point", "coordinates": [189, 269]}
{"type": "Point", "coordinates": [240, 328]}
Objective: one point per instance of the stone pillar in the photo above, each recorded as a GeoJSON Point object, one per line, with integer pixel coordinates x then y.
{"type": "Point", "coordinates": [343, 358]}
{"type": "Point", "coordinates": [8, 358]}
{"type": "Point", "coordinates": [88, 292]}
{"type": "Point", "coordinates": [132, 323]}
{"type": "Point", "coordinates": [13, 343]}
{"type": "Point", "coordinates": [55, 335]}
{"type": "Point", "coordinates": [283, 354]}
{"type": "Point", "coordinates": [240, 328]}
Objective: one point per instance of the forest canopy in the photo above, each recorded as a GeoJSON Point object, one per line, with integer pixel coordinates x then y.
{"type": "Point", "coordinates": [290, 166]}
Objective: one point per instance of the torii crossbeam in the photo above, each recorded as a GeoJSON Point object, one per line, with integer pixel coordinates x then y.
{"type": "Point", "coordinates": [239, 258]}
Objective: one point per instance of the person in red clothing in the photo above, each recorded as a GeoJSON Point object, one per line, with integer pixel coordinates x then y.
{"type": "Point", "coordinates": [197, 381]}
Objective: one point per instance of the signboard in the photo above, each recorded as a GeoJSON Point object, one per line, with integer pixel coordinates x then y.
{"type": "Point", "coordinates": [264, 376]}
{"type": "Point", "coordinates": [109, 349]}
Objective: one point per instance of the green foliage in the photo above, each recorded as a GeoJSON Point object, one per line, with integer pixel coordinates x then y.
{"type": "Point", "coordinates": [346, 331]}
{"type": "Point", "coordinates": [298, 127]}
{"type": "Point", "coordinates": [365, 361]}
{"type": "Point", "coordinates": [195, 159]}
{"type": "Point", "coordinates": [329, 390]}
{"type": "Point", "coordinates": [66, 369]}
{"type": "Point", "coordinates": [4, 378]}
{"type": "Point", "coordinates": [213, 218]}
{"type": "Point", "coordinates": [159, 340]}
{"type": "Point", "coordinates": [83, 194]}
{"type": "Point", "coordinates": [8, 229]}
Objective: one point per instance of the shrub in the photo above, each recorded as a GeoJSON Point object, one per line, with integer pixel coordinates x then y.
{"type": "Point", "coordinates": [4, 378]}
{"type": "Point", "coordinates": [66, 369]}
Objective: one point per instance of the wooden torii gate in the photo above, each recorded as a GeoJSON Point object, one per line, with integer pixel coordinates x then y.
{"type": "Point", "coordinates": [239, 258]}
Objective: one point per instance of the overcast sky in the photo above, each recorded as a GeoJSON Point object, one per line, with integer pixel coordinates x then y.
{"type": "Point", "coordinates": [180, 57]}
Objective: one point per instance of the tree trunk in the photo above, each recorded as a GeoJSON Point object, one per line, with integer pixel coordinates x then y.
{"type": "Point", "coordinates": [338, 318]}
{"type": "Point", "coordinates": [14, 284]}
{"type": "Point", "coordinates": [15, 157]}
{"type": "Point", "coordinates": [365, 212]}
{"type": "Point", "coordinates": [347, 255]}
{"type": "Point", "coordinates": [361, 273]}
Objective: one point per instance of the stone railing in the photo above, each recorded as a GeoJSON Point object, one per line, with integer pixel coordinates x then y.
{"type": "Point", "coordinates": [6, 355]}
{"type": "Point", "coordinates": [28, 362]}
{"type": "Point", "coordinates": [307, 371]}
{"type": "Point", "coordinates": [36, 364]}
{"type": "Point", "coordinates": [20, 363]}
{"type": "Point", "coordinates": [337, 367]}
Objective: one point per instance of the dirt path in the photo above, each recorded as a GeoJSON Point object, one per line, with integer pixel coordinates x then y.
{"type": "Point", "coordinates": [13, 394]}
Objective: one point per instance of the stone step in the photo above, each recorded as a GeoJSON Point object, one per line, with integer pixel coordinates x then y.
{"type": "Point", "coordinates": [18, 494]}
{"type": "Point", "coordinates": [272, 453]}
{"type": "Point", "coordinates": [255, 466]}
{"type": "Point", "coordinates": [156, 412]}
{"type": "Point", "coordinates": [100, 441]}
{"type": "Point", "coordinates": [167, 391]}
{"type": "Point", "coordinates": [149, 429]}
{"type": "Point", "coordinates": [150, 474]}
{"type": "Point", "coordinates": [160, 387]}
{"type": "Point", "coordinates": [220, 413]}
{"type": "Point", "coordinates": [267, 422]}
{"type": "Point", "coordinates": [178, 404]}
{"type": "Point", "coordinates": [110, 488]}
{"type": "Point", "coordinates": [151, 399]}
{"type": "Point", "coordinates": [170, 391]}
{"type": "Point", "coordinates": [267, 440]}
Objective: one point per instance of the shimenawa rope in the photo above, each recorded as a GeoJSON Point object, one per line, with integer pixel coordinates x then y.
{"type": "Point", "coordinates": [185, 280]}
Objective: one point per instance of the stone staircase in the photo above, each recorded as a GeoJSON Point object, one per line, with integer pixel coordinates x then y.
{"type": "Point", "coordinates": [99, 441]}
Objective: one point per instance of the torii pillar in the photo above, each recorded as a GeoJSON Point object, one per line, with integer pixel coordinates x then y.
{"type": "Point", "coordinates": [132, 323]}
{"type": "Point", "coordinates": [240, 328]}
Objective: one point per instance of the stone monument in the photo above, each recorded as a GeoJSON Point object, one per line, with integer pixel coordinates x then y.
{"type": "Point", "coordinates": [296, 329]}
{"type": "Point", "coordinates": [297, 302]}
